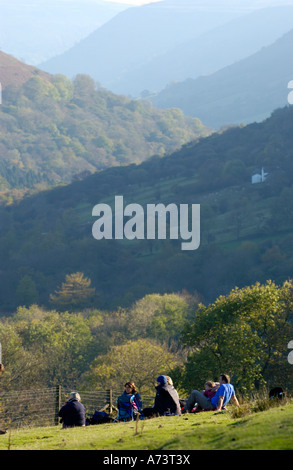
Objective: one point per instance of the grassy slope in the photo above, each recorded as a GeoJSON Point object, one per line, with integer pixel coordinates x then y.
{"type": "Point", "coordinates": [268, 430]}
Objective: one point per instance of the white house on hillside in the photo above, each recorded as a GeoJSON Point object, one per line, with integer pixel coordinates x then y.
{"type": "Point", "coordinates": [259, 177]}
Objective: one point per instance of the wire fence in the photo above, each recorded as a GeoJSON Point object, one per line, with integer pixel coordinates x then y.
{"type": "Point", "coordinates": [41, 407]}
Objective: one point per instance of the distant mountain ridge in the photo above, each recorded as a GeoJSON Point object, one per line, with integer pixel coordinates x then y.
{"type": "Point", "coordinates": [182, 44]}
{"type": "Point", "coordinates": [209, 52]}
{"type": "Point", "coordinates": [35, 30]}
{"type": "Point", "coordinates": [246, 91]}
{"type": "Point", "coordinates": [135, 36]}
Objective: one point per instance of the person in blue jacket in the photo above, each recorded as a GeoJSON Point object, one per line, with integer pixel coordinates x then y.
{"type": "Point", "coordinates": [223, 395]}
{"type": "Point", "coordinates": [129, 404]}
{"type": "Point", "coordinates": [130, 389]}
{"type": "Point", "coordinates": [73, 412]}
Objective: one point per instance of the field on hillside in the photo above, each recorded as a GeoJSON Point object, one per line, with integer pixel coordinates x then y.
{"type": "Point", "coordinates": [267, 430]}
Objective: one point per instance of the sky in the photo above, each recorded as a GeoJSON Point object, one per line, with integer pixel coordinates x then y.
{"type": "Point", "coordinates": [133, 2]}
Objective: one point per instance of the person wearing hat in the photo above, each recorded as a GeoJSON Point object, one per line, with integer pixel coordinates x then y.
{"type": "Point", "coordinates": [73, 412]}
{"type": "Point", "coordinates": [166, 400]}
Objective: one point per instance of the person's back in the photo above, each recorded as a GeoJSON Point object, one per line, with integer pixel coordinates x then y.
{"type": "Point", "coordinates": [167, 400]}
{"type": "Point", "coordinates": [72, 413]}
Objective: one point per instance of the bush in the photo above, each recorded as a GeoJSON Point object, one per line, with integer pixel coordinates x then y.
{"type": "Point", "coordinates": [258, 404]}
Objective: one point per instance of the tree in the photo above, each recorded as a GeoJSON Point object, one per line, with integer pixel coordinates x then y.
{"type": "Point", "coordinates": [22, 367]}
{"type": "Point", "coordinates": [26, 292]}
{"type": "Point", "coordinates": [141, 361]}
{"type": "Point", "coordinates": [159, 316]}
{"type": "Point", "coordinates": [244, 334]}
{"type": "Point", "coordinates": [84, 89]}
{"type": "Point", "coordinates": [75, 293]}
{"type": "Point", "coordinates": [64, 87]}
{"type": "Point", "coordinates": [60, 343]}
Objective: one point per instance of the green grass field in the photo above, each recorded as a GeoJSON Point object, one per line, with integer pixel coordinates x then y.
{"type": "Point", "coordinates": [267, 430]}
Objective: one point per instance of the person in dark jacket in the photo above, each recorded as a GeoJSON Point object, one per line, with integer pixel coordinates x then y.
{"type": "Point", "coordinates": [166, 400]}
{"type": "Point", "coordinates": [73, 412]}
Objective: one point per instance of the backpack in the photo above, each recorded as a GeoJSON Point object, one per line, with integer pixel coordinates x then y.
{"type": "Point", "coordinates": [277, 392]}
{"type": "Point", "coordinates": [100, 417]}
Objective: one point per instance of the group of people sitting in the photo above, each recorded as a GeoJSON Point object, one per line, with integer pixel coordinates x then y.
{"type": "Point", "coordinates": [215, 396]}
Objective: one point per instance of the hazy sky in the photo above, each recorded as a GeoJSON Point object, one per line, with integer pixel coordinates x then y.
{"type": "Point", "coordinates": [133, 2]}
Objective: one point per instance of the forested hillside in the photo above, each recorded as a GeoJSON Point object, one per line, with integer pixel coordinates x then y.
{"type": "Point", "coordinates": [53, 130]}
{"type": "Point", "coordinates": [245, 228]}
{"type": "Point", "coordinates": [246, 91]}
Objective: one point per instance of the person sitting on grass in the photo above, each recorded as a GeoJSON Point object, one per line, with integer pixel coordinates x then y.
{"type": "Point", "coordinates": [210, 389]}
{"type": "Point", "coordinates": [73, 412]}
{"type": "Point", "coordinates": [129, 403]}
{"type": "Point", "coordinates": [130, 389]}
{"type": "Point", "coordinates": [166, 400]}
{"type": "Point", "coordinates": [222, 396]}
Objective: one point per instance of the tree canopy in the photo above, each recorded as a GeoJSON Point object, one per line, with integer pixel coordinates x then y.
{"type": "Point", "coordinates": [54, 130]}
{"type": "Point", "coordinates": [244, 334]}
{"type": "Point", "coordinates": [75, 293]}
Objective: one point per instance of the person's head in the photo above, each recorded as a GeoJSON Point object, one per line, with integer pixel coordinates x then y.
{"type": "Point", "coordinates": [224, 379]}
{"type": "Point", "coordinates": [161, 380]}
{"type": "Point", "coordinates": [130, 387]}
{"type": "Point", "coordinates": [74, 396]}
{"type": "Point", "coordinates": [169, 380]}
{"type": "Point", "coordinates": [1, 368]}
{"type": "Point", "coordinates": [209, 385]}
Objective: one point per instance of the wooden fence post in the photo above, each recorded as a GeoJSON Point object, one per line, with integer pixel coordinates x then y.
{"type": "Point", "coordinates": [57, 404]}
{"type": "Point", "coordinates": [110, 400]}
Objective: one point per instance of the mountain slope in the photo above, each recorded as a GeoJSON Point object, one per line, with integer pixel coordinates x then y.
{"type": "Point", "coordinates": [15, 72]}
{"type": "Point", "coordinates": [134, 37]}
{"type": "Point", "coordinates": [246, 91]}
{"type": "Point", "coordinates": [208, 52]}
{"type": "Point", "coordinates": [185, 41]}
{"type": "Point", "coordinates": [21, 22]}
{"type": "Point", "coordinates": [53, 130]}
{"type": "Point", "coordinates": [246, 229]}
